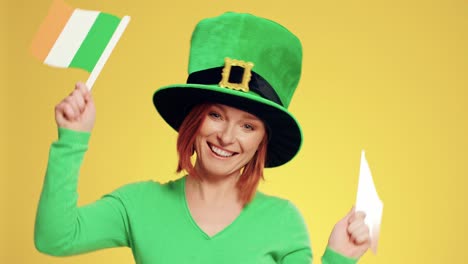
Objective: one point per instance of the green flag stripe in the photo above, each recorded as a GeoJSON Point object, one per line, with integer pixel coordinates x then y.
{"type": "Point", "coordinates": [95, 42]}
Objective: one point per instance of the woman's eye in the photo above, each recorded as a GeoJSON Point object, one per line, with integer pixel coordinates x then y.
{"type": "Point", "coordinates": [248, 127]}
{"type": "Point", "coordinates": [215, 115]}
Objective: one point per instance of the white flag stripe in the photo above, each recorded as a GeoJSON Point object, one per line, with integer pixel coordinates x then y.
{"type": "Point", "coordinates": [71, 38]}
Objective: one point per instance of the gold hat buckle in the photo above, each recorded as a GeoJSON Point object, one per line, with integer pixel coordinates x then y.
{"type": "Point", "coordinates": [244, 85]}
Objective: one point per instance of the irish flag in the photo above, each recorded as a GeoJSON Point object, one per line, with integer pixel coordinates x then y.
{"type": "Point", "coordinates": [76, 38]}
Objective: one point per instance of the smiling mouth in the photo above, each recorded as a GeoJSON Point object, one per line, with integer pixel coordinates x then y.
{"type": "Point", "coordinates": [221, 152]}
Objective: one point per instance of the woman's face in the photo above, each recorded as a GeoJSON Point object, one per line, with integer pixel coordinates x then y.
{"type": "Point", "coordinates": [227, 141]}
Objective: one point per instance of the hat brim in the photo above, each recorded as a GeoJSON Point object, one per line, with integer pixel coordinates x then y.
{"type": "Point", "coordinates": [174, 102]}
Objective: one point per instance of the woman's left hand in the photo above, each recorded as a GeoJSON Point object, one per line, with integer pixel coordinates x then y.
{"type": "Point", "coordinates": [350, 236]}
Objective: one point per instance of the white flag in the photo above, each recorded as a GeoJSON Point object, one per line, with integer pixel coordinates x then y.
{"type": "Point", "coordinates": [368, 201]}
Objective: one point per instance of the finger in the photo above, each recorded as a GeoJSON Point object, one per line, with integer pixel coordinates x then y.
{"type": "Point", "coordinates": [71, 102]}
{"type": "Point", "coordinates": [69, 112]}
{"type": "Point", "coordinates": [81, 86]}
{"type": "Point", "coordinates": [358, 231]}
{"type": "Point", "coordinates": [356, 223]}
{"type": "Point", "coordinates": [359, 215]}
{"type": "Point", "coordinates": [63, 112]}
{"type": "Point", "coordinates": [79, 99]}
{"type": "Point", "coordinates": [352, 227]}
{"type": "Point", "coordinates": [59, 113]}
{"type": "Point", "coordinates": [88, 97]}
{"type": "Point", "coordinates": [361, 236]}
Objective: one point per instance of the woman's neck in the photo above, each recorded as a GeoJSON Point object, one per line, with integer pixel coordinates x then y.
{"type": "Point", "coordinates": [213, 205]}
{"type": "Point", "coordinates": [218, 192]}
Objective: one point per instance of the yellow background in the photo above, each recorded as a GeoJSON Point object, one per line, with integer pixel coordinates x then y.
{"type": "Point", "coordinates": [389, 77]}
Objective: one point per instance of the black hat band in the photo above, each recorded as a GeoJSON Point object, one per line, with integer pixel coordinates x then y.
{"type": "Point", "coordinates": [257, 84]}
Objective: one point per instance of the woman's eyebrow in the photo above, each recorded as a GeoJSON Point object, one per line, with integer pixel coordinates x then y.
{"type": "Point", "coordinates": [251, 117]}
{"type": "Point", "coordinates": [218, 107]}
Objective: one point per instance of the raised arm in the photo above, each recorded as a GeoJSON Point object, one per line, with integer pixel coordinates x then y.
{"type": "Point", "coordinates": [62, 228]}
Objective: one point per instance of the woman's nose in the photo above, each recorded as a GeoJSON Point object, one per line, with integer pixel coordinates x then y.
{"type": "Point", "coordinates": [226, 135]}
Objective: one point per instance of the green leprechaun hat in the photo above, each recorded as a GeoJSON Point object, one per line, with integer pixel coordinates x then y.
{"type": "Point", "coordinates": [246, 62]}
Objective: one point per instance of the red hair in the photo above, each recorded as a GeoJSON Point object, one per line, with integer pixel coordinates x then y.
{"type": "Point", "coordinates": [252, 172]}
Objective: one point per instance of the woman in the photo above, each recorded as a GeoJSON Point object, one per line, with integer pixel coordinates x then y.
{"type": "Point", "coordinates": [232, 114]}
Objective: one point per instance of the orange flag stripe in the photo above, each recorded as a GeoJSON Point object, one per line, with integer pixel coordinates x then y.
{"type": "Point", "coordinates": [50, 29]}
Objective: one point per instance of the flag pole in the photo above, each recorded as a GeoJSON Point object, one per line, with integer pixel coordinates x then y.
{"type": "Point", "coordinates": [107, 51]}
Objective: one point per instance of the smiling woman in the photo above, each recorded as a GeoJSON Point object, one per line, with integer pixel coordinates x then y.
{"type": "Point", "coordinates": [232, 115]}
{"type": "Point", "coordinates": [229, 136]}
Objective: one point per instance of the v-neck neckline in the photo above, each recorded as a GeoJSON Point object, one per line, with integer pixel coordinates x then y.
{"type": "Point", "coordinates": [195, 224]}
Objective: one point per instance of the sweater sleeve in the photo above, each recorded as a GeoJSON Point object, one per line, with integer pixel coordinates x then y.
{"type": "Point", "coordinates": [299, 249]}
{"type": "Point", "coordinates": [62, 228]}
{"type": "Point", "coordinates": [332, 257]}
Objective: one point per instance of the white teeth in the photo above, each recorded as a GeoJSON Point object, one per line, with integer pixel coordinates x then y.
{"type": "Point", "coordinates": [221, 152]}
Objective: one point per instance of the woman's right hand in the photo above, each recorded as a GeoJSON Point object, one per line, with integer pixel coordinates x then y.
{"type": "Point", "coordinates": [76, 111]}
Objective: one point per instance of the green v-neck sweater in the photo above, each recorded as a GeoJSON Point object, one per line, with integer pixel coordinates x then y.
{"type": "Point", "coordinates": [154, 221]}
